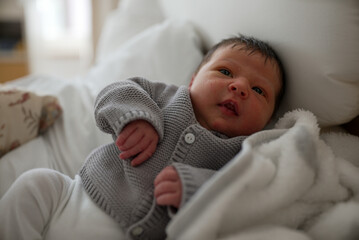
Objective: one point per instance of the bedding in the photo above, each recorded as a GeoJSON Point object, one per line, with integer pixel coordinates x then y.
{"type": "Point", "coordinates": [295, 181]}
{"type": "Point", "coordinates": [128, 20]}
{"type": "Point", "coordinates": [67, 142]}
{"type": "Point", "coordinates": [290, 182]}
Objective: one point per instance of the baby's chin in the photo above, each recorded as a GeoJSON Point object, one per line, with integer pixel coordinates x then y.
{"type": "Point", "coordinates": [223, 129]}
{"type": "Point", "coordinates": [242, 131]}
{"type": "Point", "coordinates": [223, 126]}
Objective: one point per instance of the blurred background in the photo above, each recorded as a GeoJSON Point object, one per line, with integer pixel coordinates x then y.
{"type": "Point", "coordinates": [49, 36]}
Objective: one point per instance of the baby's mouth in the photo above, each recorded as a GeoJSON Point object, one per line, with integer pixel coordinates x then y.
{"type": "Point", "coordinates": [230, 106]}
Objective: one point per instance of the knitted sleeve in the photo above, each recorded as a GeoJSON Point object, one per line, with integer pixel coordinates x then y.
{"type": "Point", "coordinates": [124, 101]}
{"type": "Point", "coordinates": [192, 179]}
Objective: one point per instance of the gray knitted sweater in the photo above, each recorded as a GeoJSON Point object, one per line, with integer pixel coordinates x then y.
{"type": "Point", "coordinates": [125, 192]}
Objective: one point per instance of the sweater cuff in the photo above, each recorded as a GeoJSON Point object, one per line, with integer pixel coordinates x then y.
{"type": "Point", "coordinates": [192, 179]}
{"type": "Point", "coordinates": [138, 115]}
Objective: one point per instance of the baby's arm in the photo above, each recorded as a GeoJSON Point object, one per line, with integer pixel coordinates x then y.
{"type": "Point", "coordinates": [137, 138]}
{"type": "Point", "coordinates": [168, 187]}
{"type": "Point", "coordinates": [125, 101]}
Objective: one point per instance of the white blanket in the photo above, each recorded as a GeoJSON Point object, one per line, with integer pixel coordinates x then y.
{"type": "Point", "coordinates": [287, 183]}
{"type": "Point", "coordinates": [65, 146]}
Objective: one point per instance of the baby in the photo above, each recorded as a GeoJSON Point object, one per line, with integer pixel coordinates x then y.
{"type": "Point", "coordinates": [168, 141]}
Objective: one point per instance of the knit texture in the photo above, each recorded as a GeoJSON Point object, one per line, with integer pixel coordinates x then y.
{"type": "Point", "coordinates": [126, 192]}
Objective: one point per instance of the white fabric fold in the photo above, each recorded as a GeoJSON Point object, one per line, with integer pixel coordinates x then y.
{"type": "Point", "coordinates": [282, 183]}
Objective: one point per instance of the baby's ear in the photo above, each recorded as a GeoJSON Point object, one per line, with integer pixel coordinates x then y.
{"type": "Point", "coordinates": [192, 79]}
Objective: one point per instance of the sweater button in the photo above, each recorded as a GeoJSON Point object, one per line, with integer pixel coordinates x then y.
{"type": "Point", "coordinates": [189, 138]}
{"type": "Point", "coordinates": [137, 231]}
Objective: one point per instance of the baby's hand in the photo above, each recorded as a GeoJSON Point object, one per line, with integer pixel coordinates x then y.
{"type": "Point", "coordinates": [168, 187]}
{"type": "Point", "coordinates": [137, 138]}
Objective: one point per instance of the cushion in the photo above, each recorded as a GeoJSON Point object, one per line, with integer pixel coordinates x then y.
{"type": "Point", "coordinates": [318, 42]}
{"type": "Point", "coordinates": [169, 52]}
{"type": "Point", "coordinates": [23, 116]}
{"type": "Point", "coordinates": [130, 18]}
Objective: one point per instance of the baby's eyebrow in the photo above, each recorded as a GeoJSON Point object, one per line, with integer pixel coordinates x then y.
{"type": "Point", "coordinates": [266, 83]}
{"type": "Point", "coordinates": [229, 61]}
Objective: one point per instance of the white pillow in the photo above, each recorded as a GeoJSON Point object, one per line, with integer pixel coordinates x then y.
{"type": "Point", "coordinates": [168, 52]}
{"type": "Point", "coordinates": [318, 42]}
{"type": "Point", "coordinates": [130, 18]}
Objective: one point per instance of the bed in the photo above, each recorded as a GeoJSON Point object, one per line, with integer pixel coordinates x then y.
{"type": "Point", "coordinates": [297, 179]}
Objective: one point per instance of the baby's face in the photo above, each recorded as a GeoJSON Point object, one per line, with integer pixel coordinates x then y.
{"type": "Point", "coordinates": [234, 93]}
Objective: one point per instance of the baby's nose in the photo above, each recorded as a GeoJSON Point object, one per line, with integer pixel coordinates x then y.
{"type": "Point", "coordinates": [240, 88]}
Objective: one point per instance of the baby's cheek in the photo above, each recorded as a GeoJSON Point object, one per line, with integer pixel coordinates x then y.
{"type": "Point", "coordinates": [255, 126]}
{"type": "Point", "coordinates": [214, 88]}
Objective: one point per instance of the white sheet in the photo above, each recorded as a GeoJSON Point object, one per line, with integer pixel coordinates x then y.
{"type": "Point", "coordinates": [65, 145]}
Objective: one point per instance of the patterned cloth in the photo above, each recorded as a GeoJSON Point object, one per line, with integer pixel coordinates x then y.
{"type": "Point", "coordinates": [23, 116]}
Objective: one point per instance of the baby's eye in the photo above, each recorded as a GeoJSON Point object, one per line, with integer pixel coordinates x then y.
{"type": "Point", "coordinates": [225, 72]}
{"type": "Point", "coordinates": [258, 90]}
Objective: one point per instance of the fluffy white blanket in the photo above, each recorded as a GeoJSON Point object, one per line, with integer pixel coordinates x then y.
{"type": "Point", "coordinates": [287, 183]}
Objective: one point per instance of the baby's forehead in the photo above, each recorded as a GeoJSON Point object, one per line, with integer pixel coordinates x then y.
{"type": "Point", "coordinates": [244, 50]}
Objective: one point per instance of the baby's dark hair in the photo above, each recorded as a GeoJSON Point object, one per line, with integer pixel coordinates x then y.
{"type": "Point", "coordinates": [252, 45]}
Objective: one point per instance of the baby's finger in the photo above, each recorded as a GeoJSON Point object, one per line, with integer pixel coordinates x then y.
{"type": "Point", "coordinates": [125, 133]}
{"type": "Point", "coordinates": [145, 154]}
{"type": "Point", "coordinates": [169, 173]}
{"type": "Point", "coordinates": [131, 141]}
{"type": "Point", "coordinates": [128, 154]}
{"type": "Point", "coordinates": [169, 200]}
{"type": "Point", "coordinates": [165, 187]}
{"type": "Point", "coordinates": [134, 150]}
{"type": "Point", "coordinates": [168, 193]}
